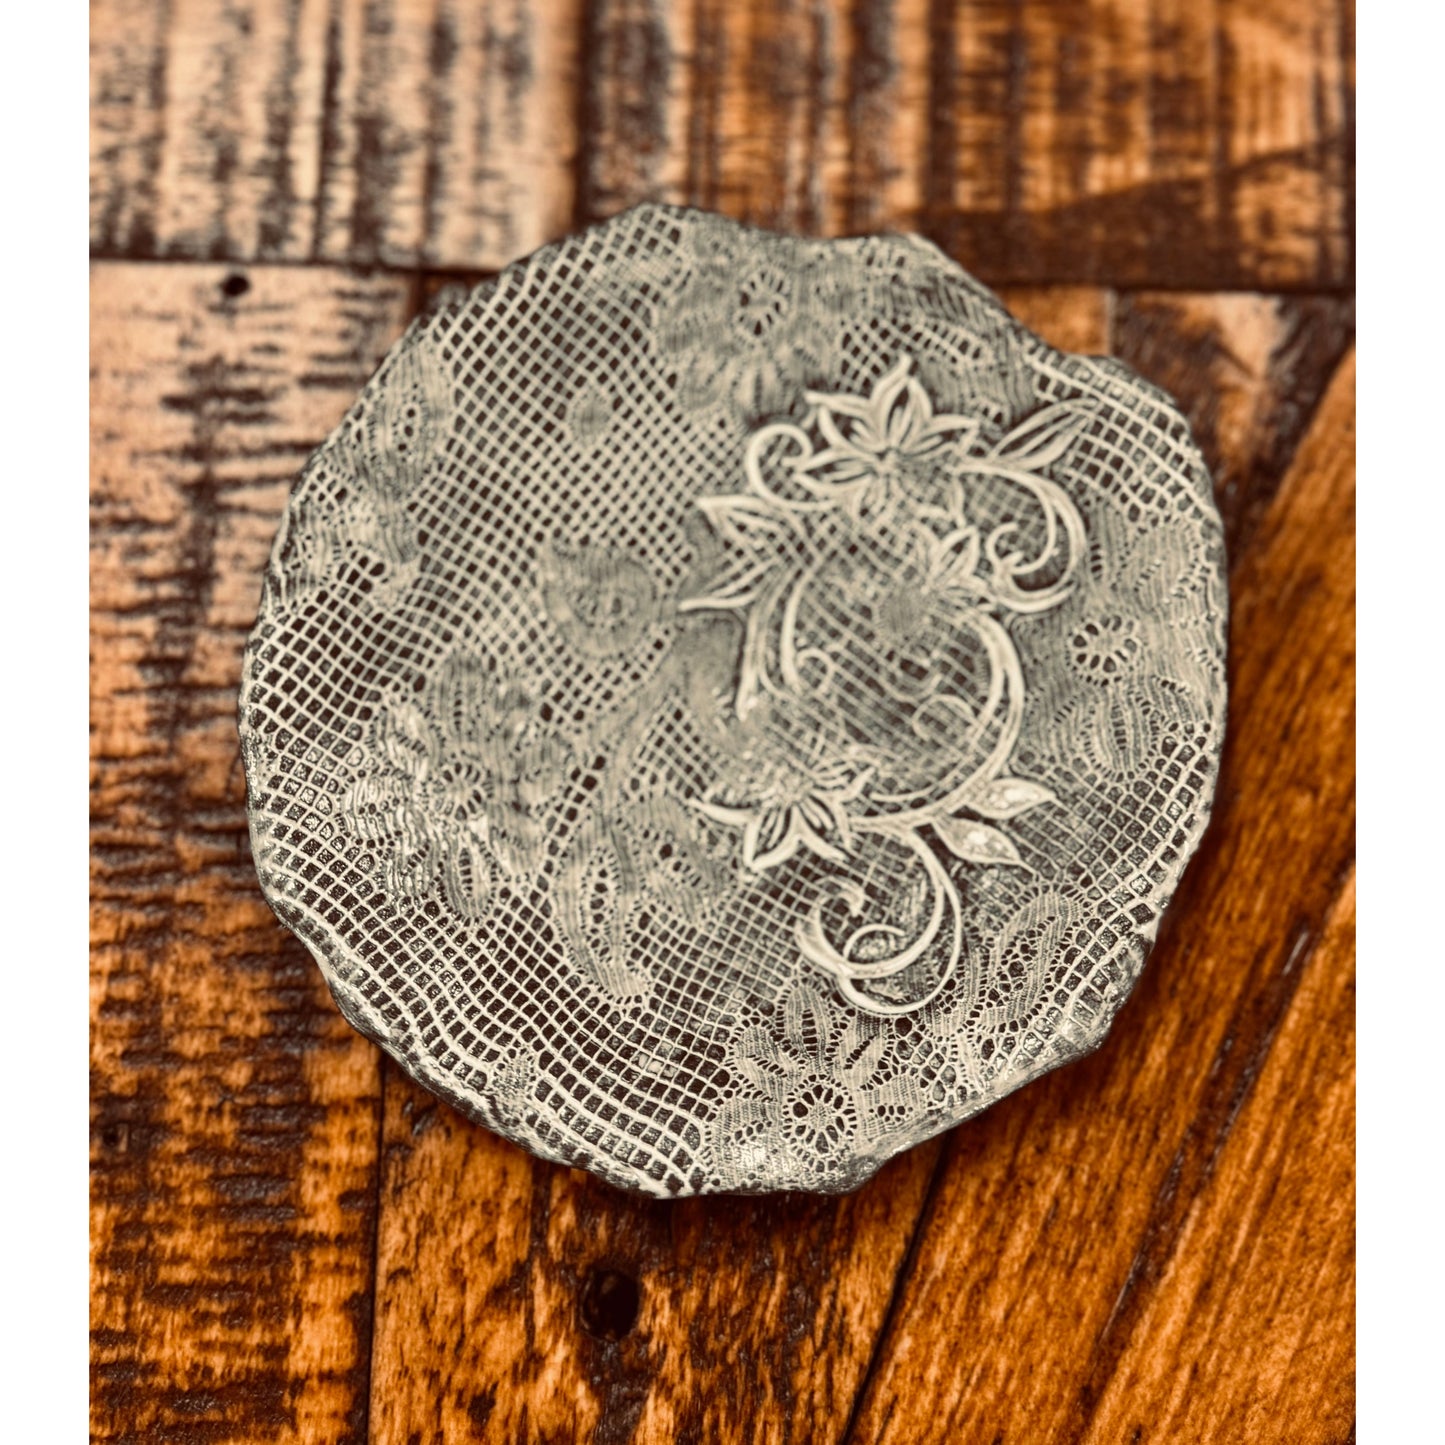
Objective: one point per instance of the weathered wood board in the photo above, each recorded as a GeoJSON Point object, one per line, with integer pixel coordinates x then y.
{"type": "Point", "coordinates": [235, 1115]}
{"type": "Point", "coordinates": [1122, 142]}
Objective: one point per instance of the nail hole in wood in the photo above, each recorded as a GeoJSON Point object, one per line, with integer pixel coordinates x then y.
{"type": "Point", "coordinates": [609, 1304]}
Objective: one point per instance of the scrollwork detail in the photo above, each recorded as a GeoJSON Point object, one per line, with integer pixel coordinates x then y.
{"type": "Point", "coordinates": [879, 692]}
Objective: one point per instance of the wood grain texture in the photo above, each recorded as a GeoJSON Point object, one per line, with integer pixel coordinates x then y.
{"type": "Point", "coordinates": [1249, 1332]}
{"type": "Point", "coordinates": [235, 1115]}
{"type": "Point", "coordinates": [504, 1289]}
{"type": "Point", "coordinates": [1078, 1192]}
{"type": "Point", "coordinates": [1169, 139]}
{"type": "Point", "coordinates": [398, 131]}
{"type": "Point", "coordinates": [1120, 142]}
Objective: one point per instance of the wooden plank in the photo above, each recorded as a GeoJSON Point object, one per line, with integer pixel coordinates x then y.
{"type": "Point", "coordinates": [734, 107]}
{"type": "Point", "coordinates": [1115, 142]}
{"type": "Point", "coordinates": [240, 134]}
{"type": "Point", "coordinates": [448, 130]}
{"type": "Point", "coordinates": [632, 83]}
{"type": "Point", "coordinates": [235, 1115]}
{"type": "Point", "coordinates": [1269, 1239]}
{"type": "Point", "coordinates": [1122, 142]}
{"type": "Point", "coordinates": [780, 116]}
{"type": "Point", "coordinates": [128, 65]}
{"type": "Point", "coordinates": [520, 1301]}
{"type": "Point", "coordinates": [408, 132]}
{"type": "Point", "coordinates": [1189, 144]}
{"type": "Point", "coordinates": [1060, 1212]}
{"type": "Point", "coordinates": [498, 1277]}
{"type": "Point", "coordinates": [889, 116]}
{"type": "Point", "coordinates": [1073, 318]}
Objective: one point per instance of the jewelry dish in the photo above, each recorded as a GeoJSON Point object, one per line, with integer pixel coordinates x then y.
{"type": "Point", "coordinates": [725, 707]}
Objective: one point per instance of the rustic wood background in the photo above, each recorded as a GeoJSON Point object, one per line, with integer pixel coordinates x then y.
{"type": "Point", "coordinates": [290, 1241]}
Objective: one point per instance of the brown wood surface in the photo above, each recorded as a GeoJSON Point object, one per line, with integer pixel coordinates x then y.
{"type": "Point", "coordinates": [235, 1113]}
{"type": "Point", "coordinates": [290, 1240]}
{"type": "Point", "coordinates": [1201, 143]}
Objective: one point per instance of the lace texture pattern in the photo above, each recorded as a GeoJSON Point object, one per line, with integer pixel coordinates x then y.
{"type": "Point", "coordinates": [726, 707]}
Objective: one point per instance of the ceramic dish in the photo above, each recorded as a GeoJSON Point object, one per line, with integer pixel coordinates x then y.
{"type": "Point", "coordinates": [726, 707]}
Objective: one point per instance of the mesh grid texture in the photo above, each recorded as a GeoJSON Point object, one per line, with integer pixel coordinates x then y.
{"type": "Point", "coordinates": [726, 707]}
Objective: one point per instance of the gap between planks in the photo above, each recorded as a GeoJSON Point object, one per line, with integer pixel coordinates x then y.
{"type": "Point", "coordinates": [468, 276]}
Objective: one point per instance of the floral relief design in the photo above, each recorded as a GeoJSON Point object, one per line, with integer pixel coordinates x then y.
{"type": "Point", "coordinates": [347, 524]}
{"type": "Point", "coordinates": [513, 1086]}
{"type": "Point", "coordinates": [399, 425]}
{"type": "Point", "coordinates": [644, 861]}
{"type": "Point", "coordinates": [590, 414]}
{"type": "Point", "coordinates": [743, 328]}
{"type": "Point", "coordinates": [463, 789]}
{"type": "Point", "coordinates": [1129, 644]}
{"type": "Point", "coordinates": [601, 600]}
{"type": "Point", "coordinates": [807, 1102]}
{"type": "Point", "coordinates": [799, 795]}
{"type": "Point", "coordinates": [879, 694]}
{"type": "Point", "coordinates": [363, 540]}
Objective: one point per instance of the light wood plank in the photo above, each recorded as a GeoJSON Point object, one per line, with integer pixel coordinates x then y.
{"type": "Point", "coordinates": [235, 1115]}
{"type": "Point", "coordinates": [1123, 142]}
{"type": "Point", "coordinates": [408, 132]}
{"type": "Point", "coordinates": [754, 1318]}
{"type": "Point", "coordinates": [1250, 1334]}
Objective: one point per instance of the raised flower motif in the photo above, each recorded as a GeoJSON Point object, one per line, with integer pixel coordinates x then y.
{"type": "Point", "coordinates": [601, 600]}
{"type": "Point", "coordinates": [807, 1099]}
{"type": "Point", "coordinates": [871, 441]}
{"type": "Point", "coordinates": [878, 693]}
{"type": "Point", "coordinates": [339, 528]}
{"type": "Point", "coordinates": [462, 791]}
{"type": "Point", "coordinates": [1127, 637]}
{"type": "Point", "coordinates": [785, 798]}
{"type": "Point", "coordinates": [750, 334]}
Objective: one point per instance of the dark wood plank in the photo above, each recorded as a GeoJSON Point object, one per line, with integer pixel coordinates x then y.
{"type": "Point", "coordinates": [1146, 141]}
{"type": "Point", "coordinates": [1061, 1213]}
{"type": "Point", "coordinates": [633, 82]}
{"type": "Point", "coordinates": [756, 1319]}
{"type": "Point", "coordinates": [1249, 371]}
{"type": "Point", "coordinates": [235, 1115]}
{"type": "Point", "coordinates": [520, 1301]}
{"type": "Point", "coordinates": [1120, 142]}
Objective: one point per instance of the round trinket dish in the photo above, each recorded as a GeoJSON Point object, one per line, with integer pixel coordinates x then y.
{"type": "Point", "coordinates": [725, 707]}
